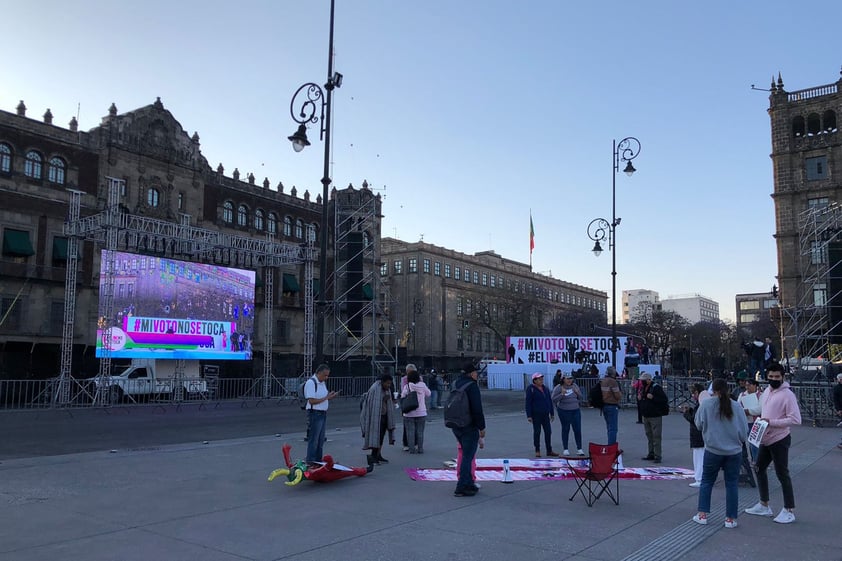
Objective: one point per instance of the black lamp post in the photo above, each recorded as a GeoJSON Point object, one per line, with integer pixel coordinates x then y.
{"type": "Point", "coordinates": [600, 229]}
{"type": "Point", "coordinates": [306, 101]}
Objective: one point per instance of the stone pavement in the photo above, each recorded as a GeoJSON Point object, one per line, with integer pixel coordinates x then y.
{"type": "Point", "coordinates": [211, 502]}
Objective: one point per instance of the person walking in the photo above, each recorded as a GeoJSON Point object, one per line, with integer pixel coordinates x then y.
{"type": "Point", "coordinates": [653, 406]}
{"type": "Point", "coordinates": [697, 441]}
{"type": "Point", "coordinates": [318, 400]}
{"type": "Point", "coordinates": [433, 384]}
{"type": "Point", "coordinates": [539, 412]}
{"type": "Point", "coordinates": [779, 408]}
{"type": "Point", "coordinates": [724, 431]}
{"type": "Point", "coordinates": [377, 416]}
{"type": "Point", "coordinates": [611, 396]}
{"type": "Point", "coordinates": [567, 397]}
{"type": "Point", "coordinates": [415, 420]}
{"type": "Point", "coordinates": [468, 437]}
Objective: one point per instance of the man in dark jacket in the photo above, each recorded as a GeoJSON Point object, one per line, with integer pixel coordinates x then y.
{"type": "Point", "coordinates": [539, 412]}
{"type": "Point", "coordinates": [468, 437]}
{"type": "Point", "coordinates": [653, 406]}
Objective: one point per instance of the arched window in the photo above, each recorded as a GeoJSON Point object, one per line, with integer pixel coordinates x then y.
{"type": "Point", "coordinates": [813, 124]}
{"type": "Point", "coordinates": [242, 215]}
{"type": "Point", "coordinates": [287, 226]}
{"type": "Point", "coordinates": [5, 158]}
{"type": "Point", "coordinates": [366, 239]}
{"type": "Point", "coordinates": [34, 163]}
{"type": "Point", "coordinates": [798, 127]}
{"type": "Point", "coordinates": [180, 201]}
{"type": "Point", "coordinates": [258, 219]}
{"type": "Point", "coordinates": [299, 229]}
{"type": "Point", "coordinates": [153, 197]}
{"type": "Point", "coordinates": [829, 121]}
{"type": "Point", "coordinates": [315, 234]}
{"type": "Point", "coordinates": [55, 171]}
{"type": "Point", "coordinates": [272, 223]}
{"type": "Point", "coordinates": [228, 212]}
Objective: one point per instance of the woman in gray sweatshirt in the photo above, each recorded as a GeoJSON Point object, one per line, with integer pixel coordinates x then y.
{"type": "Point", "coordinates": [566, 398]}
{"type": "Point", "coordinates": [724, 429]}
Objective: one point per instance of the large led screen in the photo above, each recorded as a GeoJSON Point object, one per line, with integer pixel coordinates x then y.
{"type": "Point", "coordinates": [169, 309]}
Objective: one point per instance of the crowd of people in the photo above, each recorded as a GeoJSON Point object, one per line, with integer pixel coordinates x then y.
{"type": "Point", "coordinates": [720, 420]}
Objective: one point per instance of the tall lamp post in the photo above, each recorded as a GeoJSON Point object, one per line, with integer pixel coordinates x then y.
{"type": "Point", "coordinates": [307, 101]}
{"type": "Point", "coordinates": [601, 230]}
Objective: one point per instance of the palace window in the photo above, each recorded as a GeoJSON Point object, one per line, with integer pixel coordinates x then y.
{"type": "Point", "coordinates": [33, 165]}
{"type": "Point", "coordinates": [55, 171]}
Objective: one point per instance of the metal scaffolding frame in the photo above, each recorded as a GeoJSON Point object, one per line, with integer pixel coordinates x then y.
{"type": "Point", "coordinates": [358, 299]}
{"type": "Point", "coordinates": [113, 227]}
{"type": "Point", "coordinates": [811, 321]}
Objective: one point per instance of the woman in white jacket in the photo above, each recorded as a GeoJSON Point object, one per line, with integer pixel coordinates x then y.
{"type": "Point", "coordinates": [749, 400]}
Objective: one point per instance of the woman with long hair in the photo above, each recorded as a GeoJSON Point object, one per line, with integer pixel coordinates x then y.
{"type": "Point", "coordinates": [722, 423]}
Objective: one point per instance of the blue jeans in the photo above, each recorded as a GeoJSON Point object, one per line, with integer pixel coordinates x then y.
{"type": "Point", "coordinates": [612, 418]}
{"type": "Point", "coordinates": [468, 438]}
{"type": "Point", "coordinates": [570, 418]}
{"type": "Point", "coordinates": [317, 435]}
{"type": "Point", "coordinates": [710, 469]}
{"type": "Point", "coordinates": [434, 398]}
{"type": "Point", "coordinates": [542, 421]}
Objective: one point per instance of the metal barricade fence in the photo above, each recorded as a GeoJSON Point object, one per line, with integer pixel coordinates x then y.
{"type": "Point", "coordinates": [815, 399]}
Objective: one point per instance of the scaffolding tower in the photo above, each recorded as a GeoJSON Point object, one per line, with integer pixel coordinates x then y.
{"type": "Point", "coordinates": [815, 323]}
{"type": "Point", "coordinates": [359, 326]}
{"type": "Point", "coordinates": [113, 227]}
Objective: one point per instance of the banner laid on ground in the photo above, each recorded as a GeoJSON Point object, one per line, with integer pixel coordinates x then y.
{"type": "Point", "coordinates": [540, 470]}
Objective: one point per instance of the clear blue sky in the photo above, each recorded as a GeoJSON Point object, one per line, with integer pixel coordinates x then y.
{"type": "Point", "coordinates": [467, 114]}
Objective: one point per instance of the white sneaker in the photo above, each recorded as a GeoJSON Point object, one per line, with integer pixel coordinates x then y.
{"type": "Point", "coordinates": [566, 452]}
{"type": "Point", "coordinates": [785, 517]}
{"type": "Point", "coordinates": [696, 484]}
{"type": "Point", "coordinates": [406, 448]}
{"type": "Point", "coordinates": [730, 523]}
{"type": "Point", "coordinates": [760, 510]}
{"type": "Point", "coordinates": [703, 520]}
{"type": "Point", "coordinates": [580, 452]}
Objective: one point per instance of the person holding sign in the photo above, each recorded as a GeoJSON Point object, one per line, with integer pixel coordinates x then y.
{"type": "Point", "coordinates": [779, 408]}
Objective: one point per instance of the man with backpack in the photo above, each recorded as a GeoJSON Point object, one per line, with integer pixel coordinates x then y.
{"type": "Point", "coordinates": [463, 415]}
{"type": "Point", "coordinates": [318, 400]}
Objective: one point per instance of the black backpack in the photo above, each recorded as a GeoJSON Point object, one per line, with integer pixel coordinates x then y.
{"type": "Point", "coordinates": [595, 395]}
{"type": "Point", "coordinates": [457, 410]}
{"type": "Point", "coordinates": [302, 401]}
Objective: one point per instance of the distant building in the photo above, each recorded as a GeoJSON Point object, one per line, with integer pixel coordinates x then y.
{"type": "Point", "coordinates": [754, 308]}
{"type": "Point", "coordinates": [449, 306]}
{"type": "Point", "coordinates": [637, 302]}
{"type": "Point", "coordinates": [163, 176]}
{"type": "Point", "coordinates": [694, 308]}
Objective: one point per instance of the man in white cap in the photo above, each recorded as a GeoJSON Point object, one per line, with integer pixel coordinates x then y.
{"type": "Point", "coordinates": [539, 412]}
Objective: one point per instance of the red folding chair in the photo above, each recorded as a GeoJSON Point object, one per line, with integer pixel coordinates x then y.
{"type": "Point", "coordinates": [595, 480]}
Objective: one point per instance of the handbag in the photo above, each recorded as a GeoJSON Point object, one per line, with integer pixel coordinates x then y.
{"type": "Point", "coordinates": [410, 402]}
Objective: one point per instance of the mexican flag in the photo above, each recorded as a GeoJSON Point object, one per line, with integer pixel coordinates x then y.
{"type": "Point", "coordinates": [531, 234]}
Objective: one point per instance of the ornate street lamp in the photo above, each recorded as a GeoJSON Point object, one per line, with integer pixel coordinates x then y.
{"type": "Point", "coordinates": [311, 104]}
{"type": "Point", "coordinates": [601, 230]}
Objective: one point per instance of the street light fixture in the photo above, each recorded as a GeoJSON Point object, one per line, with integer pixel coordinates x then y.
{"type": "Point", "coordinates": [307, 101]}
{"type": "Point", "coordinates": [601, 230]}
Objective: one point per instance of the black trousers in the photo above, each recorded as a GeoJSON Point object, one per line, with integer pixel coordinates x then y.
{"type": "Point", "coordinates": [778, 455]}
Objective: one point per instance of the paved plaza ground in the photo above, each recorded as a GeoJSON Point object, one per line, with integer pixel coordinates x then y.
{"type": "Point", "coordinates": [155, 483]}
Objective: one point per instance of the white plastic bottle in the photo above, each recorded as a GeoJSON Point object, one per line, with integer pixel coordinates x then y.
{"type": "Point", "coordinates": [507, 474]}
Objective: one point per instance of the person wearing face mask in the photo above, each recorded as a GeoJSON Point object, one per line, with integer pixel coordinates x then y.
{"type": "Point", "coordinates": [778, 407]}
